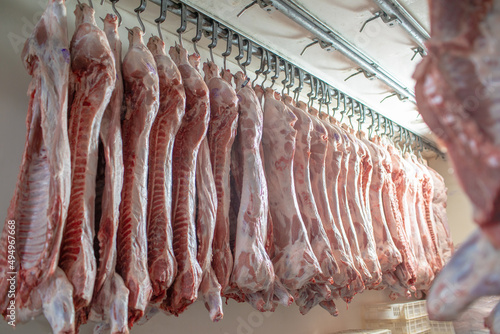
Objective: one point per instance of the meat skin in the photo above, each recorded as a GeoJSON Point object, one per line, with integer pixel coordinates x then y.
{"type": "Point", "coordinates": [184, 290]}
{"type": "Point", "coordinates": [92, 80]}
{"type": "Point", "coordinates": [38, 208]}
{"type": "Point", "coordinates": [221, 134]}
{"type": "Point", "coordinates": [294, 261]}
{"type": "Point", "coordinates": [161, 260]}
{"type": "Point", "coordinates": [253, 270]}
{"type": "Point", "coordinates": [141, 95]}
{"type": "Point", "coordinates": [110, 298]}
{"type": "Point", "coordinates": [206, 193]}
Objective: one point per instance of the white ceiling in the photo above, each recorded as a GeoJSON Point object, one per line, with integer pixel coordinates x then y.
{"type": "Point", "coordinates": [389, 47]}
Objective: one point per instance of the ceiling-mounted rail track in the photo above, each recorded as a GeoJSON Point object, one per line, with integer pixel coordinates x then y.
{"type": "Point", "coordinates": [405, 20]}
{"type": "Point", "coordinates": [277, 63]}
{"type": "Point", "coordinates": [329, 37]}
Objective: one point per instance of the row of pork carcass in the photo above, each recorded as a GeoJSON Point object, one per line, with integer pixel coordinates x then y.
{"type": "Point", "coordinates": [203, 190]}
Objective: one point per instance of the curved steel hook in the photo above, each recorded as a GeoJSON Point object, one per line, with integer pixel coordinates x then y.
{"type": "Point", "coordinates": [268, 69]}
{"type": "Point", "coordinates": [262, 66]}
{"type": "Point", "coordinates": [361, 118]}
{"type": "Point", "coordinates": [297, 90]}
{"type": "Point", "coordinates": [162, 17]}
{"type": "Point", "coordinates": [277, 69]}
{"type": "Point", "coordinates": [183, 26]}
{"type": "Point", "coordinates": [229, 46]}
{"type": "Point", "coordinates": [199, 31]}
{"type": "Point", "coordinates": [113, 6]}
{"type": "Point", "coordinates": [138, 11]}
{"type": "Point", "coordinates": [248, 60]}
{"type": "Point", "coordinates": [215, 36]}
{"type": "Point", "coordinates": [292, 78]}
{"type": "Point", "coordinates": [285, 80]}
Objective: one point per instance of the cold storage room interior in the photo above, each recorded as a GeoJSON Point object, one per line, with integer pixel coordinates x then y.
{"type": "Point", "coordinates": [351, 60]}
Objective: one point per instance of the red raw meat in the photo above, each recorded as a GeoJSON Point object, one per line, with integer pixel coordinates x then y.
{"type": "Point", "coordinates": [92, 81]}
{"type": "Point", "coordinates": [161, 260]}
{"type": "Point", "coordinates": [221, 134]}
{"type": "Point", "coordinates": [294, 261]}
{"type": "Point", "coordinates": [206, 193]}
{"type": "Point", "coordinates": [141, 92]}
{"type": "Point", "coordinates": [253, 270]}
{"type": "Point", "coordinates": [184, 290]}
{"type": "Point", "coordinates": [38, 209]}
{"type": "Point", "coordinates": [110, 298]}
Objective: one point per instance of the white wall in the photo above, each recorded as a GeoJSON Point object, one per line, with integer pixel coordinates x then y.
{"type": "Point", "coordinates": [16, 23]}
{"type": "Point", "coordinates": [459, 208]}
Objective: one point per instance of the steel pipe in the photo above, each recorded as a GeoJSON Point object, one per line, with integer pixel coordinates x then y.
{"type": "Point", "coordinates": [342, 46]}
{"type": "Point", "coordinates": [405, 20]}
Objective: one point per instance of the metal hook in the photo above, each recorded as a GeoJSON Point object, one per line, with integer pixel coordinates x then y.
{"type": "Point", "coordinates": [361, 118]}
{"type": "Point", "coordinates": [370, 127]}
{"type": "Point", "coordinates": [199, 31]}
{"type": "Point", "coordinates": [113, 6]}
{"type": "Point", "coordinates": [308, 46]}
{"type": "Point", "coordinates": [375, 16]}
{"type": "Point", "coordinates": [138, 11]}
{"type": "Point", "coordinates": [249, 56]}
{"type": "Point", "coordinates": [292, 78]}
{"type": "Point", "coordinates": [344, 107]}
{"type": "Point", "coordinates": [350, 114]}
{"type": "Point", "coordinates": [183, 26]}
{"type": "Point", "coordinates": [215, 36]}
{"type": "Point", "coordinates": [322, 88]}
{"type": "Point", "coordinates": [241, 51]}
{"type": "Point", "coordinates": [91, 4]}
{"type": "Point", "coordinates": [385, 18]}
{"type": "Point", "coordinates": [300, 86]}
{"type": "Point", "coordinates": [285, 80]}
{"type": "Point", "coordinates": [328, 99]}
{"type": "Point", "coordinates": [268, 69]}
{"type": "Point", "coordinates": [163, 16]}
{"type": "Point", "coordinates": [262, 65]}
{"type": "Point", "coordinates": [418, 51]}
{"type": "Point", "coordinates": [229, 46]}
{"type": "Point", "coordinates": [277, 69]}
{"type": "Point", "coordinates": [377, 128]}
{"type": "Point", "coordinates": [354, 74]}
{"type": "Point", "coordinates": [311, 93]}
{"type": "Point", "coordinates": [246, 7]}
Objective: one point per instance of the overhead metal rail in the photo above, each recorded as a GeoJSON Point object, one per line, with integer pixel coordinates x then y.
{"type": "Point", "coordinates": [295, 76]}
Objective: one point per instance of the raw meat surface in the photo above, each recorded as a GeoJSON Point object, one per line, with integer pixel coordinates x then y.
{"type": "Point", "coordinates": [221, 134]}
{"type": "Point", "coordinates": [338, 238]}
{"type": "Point", "coordinates": [347, 221]}
{"type": "Point", "coordinates": [427, 195]}
{"type": "Point", "coordinates": [305, 192]}
{"type": "Point", "coordinates": [405, 190]}
{"type": "Point", "coordinates": [141, 94]}
{"type": "Point", "coordinates": [388, 254]}
{"type": "Point", "coordinates": [184, 290]}
{"type": "Point", "coordinates": [108, 283]}
{"type": "Point", "coordinates": [360, 226]}
{"type": "Point", "coordinates": [439, 199]}
{"type": "Point", "coordinates": [406, 271]}
{"type": "Point", "coordinates": [38, 208]}
{"type": "Point", "coordinates": [425, 235]}
{"type": "Point", "coordinates": [206, 194]}
{"type": "Point", "coordinates": [161, 260]}
{"type": "Point", "coordinates": [471, 273]}
{"type": "Point", "coordinates": [457, 96]}
{"type": "Point", "coordinates": [253, 270]}
{"type": "Point", "coordinates": [92, 80]}
{"type": "Point", "coordinates": [294, 260]}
